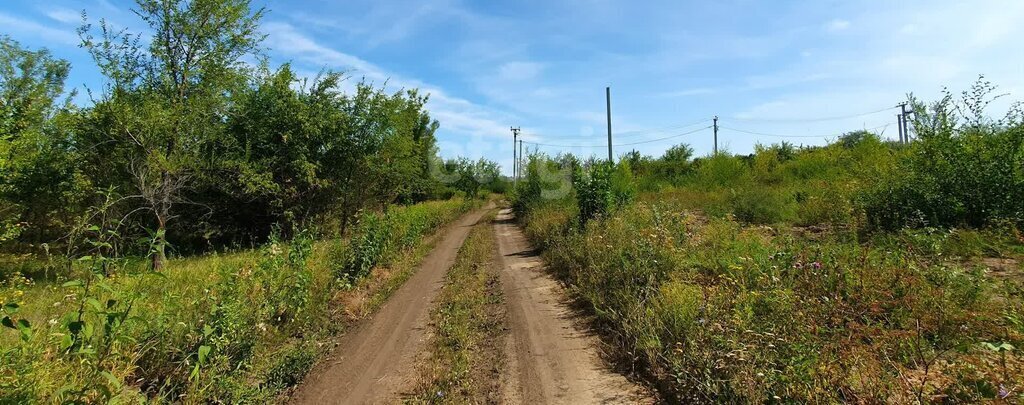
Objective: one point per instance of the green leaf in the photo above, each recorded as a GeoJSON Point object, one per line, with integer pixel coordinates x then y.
{"type": "Point", "coordinates": [204, 351]}
{"type": "Point", "coordinates": [114, 381]}
{"type": "Point", "coordinates": [72, 283]}
{"type": "Point", "coordinates": [158, 274]}
{"type": "Point", "coordinates": [24, 324]}
{"type": "Point", "coordinates": [94, 304]}
{"type": "Point", "coordinates": [7, 322]}
{"type": "Point", "coordinates": [11, 307]}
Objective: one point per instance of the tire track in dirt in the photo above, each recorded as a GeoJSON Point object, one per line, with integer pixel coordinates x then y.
{"type": "Point", "coordinates": [552, 358]}
{"type": "Point", "coordinates": [376, 361]}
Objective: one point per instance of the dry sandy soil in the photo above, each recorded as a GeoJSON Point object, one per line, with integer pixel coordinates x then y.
{"type": "Point", "coordinates": [552, 357]}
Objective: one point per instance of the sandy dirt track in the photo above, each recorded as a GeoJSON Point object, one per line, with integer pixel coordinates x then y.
{"type": "Point", "coordinates": [376, 361]}
{"type": "Point", "coordinates": [552, 358]}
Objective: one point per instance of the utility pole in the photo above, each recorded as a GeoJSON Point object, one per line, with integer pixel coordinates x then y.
{"type": "Point", "coordinates": [515, 162]}
{"type": "Point", "coordinates": [520, 156]}
{"type": "Point", "coordinates": [608, 105]}
{"type": "Point", "coordinates": [716, 134]}
{"type": "Point", "coordinates": [906, 116]}
{"type": "Point", "coordinates": [899, 127]}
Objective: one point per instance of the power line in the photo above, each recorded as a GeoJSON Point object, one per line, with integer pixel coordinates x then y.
{"type": "Point", "coordinates": [792, 136]}
{"type": "Point", "coordinates": [835, 118]}
{"type": "Point", "coordinates": [624, 134]}
{"type": "Point", "coordinates": [619, 144]}
{"type": "Point", "coordinates": [665, 138]}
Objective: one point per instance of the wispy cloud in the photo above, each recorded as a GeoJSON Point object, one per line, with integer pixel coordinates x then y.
{"type": "Point", "coordinates": [63, 15]}
{"type": "Point", "coordinates": [699, 91]}
{"type": "Point", "coordinates": [455, 114]}
{"type": "Point", "coordinates": [519, 70]}
{"type": "Point", "coordinates": [837, 25]}
{"type": "Point", "coordinates": [30, 28]}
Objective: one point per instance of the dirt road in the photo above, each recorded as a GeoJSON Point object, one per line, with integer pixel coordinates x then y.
{"type": "Point", "coordinates": [375, 362]}
{"type": "Point", "coordinates": [551, 358]}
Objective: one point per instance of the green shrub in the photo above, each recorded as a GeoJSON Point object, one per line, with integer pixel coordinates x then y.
{"type": "Point", "coordinates": [721, 171]}
{"type": "Point", "coordinates": [963, 171]}
{"type": "Point", "coordinates": [760, 205]}
{"type": "Point", "coordinates": [221, 328]}
{"type": "Point", "coordinates": [379, 235]}
{"type": "Point", "coordinates": [716, 312]}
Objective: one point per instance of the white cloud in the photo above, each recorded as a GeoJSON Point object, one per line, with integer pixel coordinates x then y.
{"type": "Point", "coordinates": [837, 25]}
{"type": "Point", "coordinates": [64, 15]}
{"type": "Point", "coordinates": [33, 29]}
{"type": "Point", "coordinates": [519, 70]}
{"type": "Point", "coordinates": [454, 114]}
{"type": "Point", "coordinates": [699, 91]}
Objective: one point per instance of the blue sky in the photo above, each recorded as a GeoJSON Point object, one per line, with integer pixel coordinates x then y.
{"type": "Point", "coordinates": [772, 67]}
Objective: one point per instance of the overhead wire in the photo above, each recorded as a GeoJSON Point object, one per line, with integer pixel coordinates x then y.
{"type": "Point", "coordinates": [820, 119]}
{"type": "Point", "coordinates": [619, 144]}
{"type": "Point", "coordinates": [624, 134]}
{"type": "Point", "coordinates": [790, 136]}
{"type": "Point", "coordinates": [635, 133]}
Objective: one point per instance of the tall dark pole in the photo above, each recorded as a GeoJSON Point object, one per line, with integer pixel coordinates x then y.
{"type": "Point", "coordinates": [899, 127]}
{"type": "Point", "coordinates": [520, 156]}
{"type": "Point", "coordinates": [905, 113]}
{"type": "Point", "coordinates": [515, 162]}
{"type": "Point", "coordinates": [716, 134]}
{"type": "Point", "coordinates": [608, 105]}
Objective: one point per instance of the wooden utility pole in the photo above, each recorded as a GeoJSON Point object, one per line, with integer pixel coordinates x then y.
{"type": "Point", "coordinates": [608, 106]}
{"type": "Point", "coordinates": [716, 134]}
{"type": "Point", "coordinates": [899, 127]}
{"type": "Point", "coordinates": [906, 116]}
{"type": "Point", "coordinates": [520, 156]}
{"type": "Point", "coordinates": [515, 162]}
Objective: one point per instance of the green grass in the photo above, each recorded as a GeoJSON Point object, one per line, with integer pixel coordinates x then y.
{"type": "Point", "coordinates": [466, 349]}
{"type": "Point", "coordinates": [235, 327]}
{"type": "Point", "coordinates": [861, 271]}
{"type": "Point", "coordinates": [715, 309]}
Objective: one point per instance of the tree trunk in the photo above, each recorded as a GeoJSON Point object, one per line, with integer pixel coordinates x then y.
{"type": "Point", "coordinates": [159, 256]}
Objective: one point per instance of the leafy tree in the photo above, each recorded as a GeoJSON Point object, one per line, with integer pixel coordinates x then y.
{"type": "Point", "coordinates": [160, 114]}
{"type": "Point", "coordinates": [37, 178]}
{"type": "Point", "coordinates": [964, 169]}
{"type": "Point", "coordinates": [470, 176]}
{"type": "Point", "coordinates": [678, 154]}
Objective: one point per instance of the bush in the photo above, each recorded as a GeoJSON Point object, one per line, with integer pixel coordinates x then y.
{"type": "Point", "coordinates": [716, 312]}
{"type": "Point", "coordinates": [760, 205]}
{"type": "Point", "coordinates": [964, 171]}
{"type": "Point", "coordinates": [233, 328]}
{"type": "Point", "coordinates": [721, 171]}
{"type": "Point", "coordinates": [378, 236]}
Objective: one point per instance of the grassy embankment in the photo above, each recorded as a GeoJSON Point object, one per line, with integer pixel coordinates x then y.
{"type": "Point", "coordinates": [768, 279]}
{"type": "Point", "coordinates": [224, 327]}
{"type": "Point", "coordinates": [466, 352]}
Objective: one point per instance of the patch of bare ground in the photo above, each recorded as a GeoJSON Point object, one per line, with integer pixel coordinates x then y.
{"type": "Point", "coordinates": [468, 329]}
{"type": "Point", "coordinates": [374, 362]}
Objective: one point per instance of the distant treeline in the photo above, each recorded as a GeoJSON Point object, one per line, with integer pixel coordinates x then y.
{"type": "Point", "coordinates": [187, 142]}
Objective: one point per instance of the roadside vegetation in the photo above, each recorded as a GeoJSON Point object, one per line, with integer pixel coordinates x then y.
{"type": "Point", "coordinates": [466, 353]}
{"type": "Point", "coordinates": [195, 229]}
{"type": "Point", "coordinates": [235, 327]}
{"type": "Point", "coordinates": [861, 271]}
